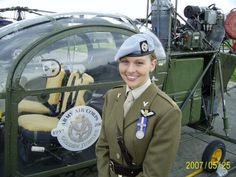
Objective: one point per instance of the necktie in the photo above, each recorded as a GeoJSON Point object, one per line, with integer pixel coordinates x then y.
{"type": "Point", "coordinates": [128, 102]}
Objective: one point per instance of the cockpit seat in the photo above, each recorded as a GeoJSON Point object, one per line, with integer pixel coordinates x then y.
{"type": "Point", "coordinates": [40, 122]}
{"type": "Point", "coordinates": [35, 129]}
{"type": "Point", "coordinates": [50, 107]}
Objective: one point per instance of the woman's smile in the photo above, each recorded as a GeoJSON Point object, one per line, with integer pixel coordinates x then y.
{"type": "Point", "coordinates": [131, 78]}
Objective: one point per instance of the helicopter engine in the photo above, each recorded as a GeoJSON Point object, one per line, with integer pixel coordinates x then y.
{"type": "Point", "coordinates": [203, 29]}
{"type": "Point", "coordinates": [203, 23]}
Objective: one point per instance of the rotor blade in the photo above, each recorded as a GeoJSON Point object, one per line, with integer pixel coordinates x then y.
{"type": "Point", "coordinates": [32, 12]}
{"type": "Point", "coordinates": [26, 9]}
{"type": "Point", "coordinates": [6, 9]}
{"type": "Point", "coordinates": [38, 10]}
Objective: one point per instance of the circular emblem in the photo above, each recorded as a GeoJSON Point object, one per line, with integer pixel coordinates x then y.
{"type": "Point", "coordinates": [78, 128]}
{"type": "Point", "coordinates": [144, 46]}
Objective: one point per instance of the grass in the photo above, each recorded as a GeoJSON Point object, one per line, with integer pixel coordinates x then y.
{"type": "Point", "coordinates": [233, 77]}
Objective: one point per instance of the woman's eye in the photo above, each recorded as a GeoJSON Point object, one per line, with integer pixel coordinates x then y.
{"type": "Point", "coordinates": [124, 61]}
{"type": "Point", "coordinates": [139, 63]}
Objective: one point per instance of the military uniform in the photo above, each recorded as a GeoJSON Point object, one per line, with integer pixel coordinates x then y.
{"type": "Point", "coordinates": [156, 151]}
{"type": "Point", "coordinates": [144, 141]}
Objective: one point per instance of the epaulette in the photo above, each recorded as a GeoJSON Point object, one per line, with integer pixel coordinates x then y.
{"type": "Point", "coordinates": [118, 86]}
{"type": "Point", "coordinates": [114, 88]}
{"type": "Point", "coordinates": [166, 97]}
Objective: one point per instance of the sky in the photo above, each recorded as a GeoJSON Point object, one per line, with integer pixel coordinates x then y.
{"type": "Point", "coordinates": [131, 8]}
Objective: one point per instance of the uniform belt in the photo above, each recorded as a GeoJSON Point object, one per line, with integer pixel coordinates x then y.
{"type": "Point", "coordinates": [119, 169]}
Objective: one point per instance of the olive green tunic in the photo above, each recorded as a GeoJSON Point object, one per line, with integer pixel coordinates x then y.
{"type": "Point", "coordinates": [157, 150]}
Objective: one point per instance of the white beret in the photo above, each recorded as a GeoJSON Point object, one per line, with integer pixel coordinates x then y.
{"type": "Point", "coordinates": [137, 45]}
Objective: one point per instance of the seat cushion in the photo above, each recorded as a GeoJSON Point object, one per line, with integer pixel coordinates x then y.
{"type": "Point", "coordinates": [37, 122]}
{"type": "Point", "coordinates": [32, 107]}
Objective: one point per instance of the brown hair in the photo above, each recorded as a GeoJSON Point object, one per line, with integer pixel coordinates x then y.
{"type": "Point", "coordinates": [153, 56]}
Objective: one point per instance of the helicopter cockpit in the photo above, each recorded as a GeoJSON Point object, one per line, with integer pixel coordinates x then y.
{"type": "Point", "coordinates": [60, 67]}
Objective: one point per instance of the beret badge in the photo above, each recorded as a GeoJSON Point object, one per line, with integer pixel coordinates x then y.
{"type": "Point", "coordinates": [143, 46]}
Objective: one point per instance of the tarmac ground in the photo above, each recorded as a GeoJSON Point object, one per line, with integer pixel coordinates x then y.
{"type": "Point", "coordinates": [193, 143]}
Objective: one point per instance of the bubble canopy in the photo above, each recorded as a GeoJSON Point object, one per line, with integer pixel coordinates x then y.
{"type": "Point", "coordinates": [49, 65]}
{"type": "Point", "coordinates": [18, 36]}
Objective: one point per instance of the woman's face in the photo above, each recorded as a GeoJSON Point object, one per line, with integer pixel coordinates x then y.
{"type": "Point", "coordinates": [135, 70]}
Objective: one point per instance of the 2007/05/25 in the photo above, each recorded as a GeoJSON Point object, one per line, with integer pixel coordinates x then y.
{"type": "Point", "coordinates": [195, 165]}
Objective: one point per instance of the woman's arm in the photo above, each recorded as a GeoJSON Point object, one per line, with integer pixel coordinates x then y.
{"type": "Point", "coordinates": [102, 148]}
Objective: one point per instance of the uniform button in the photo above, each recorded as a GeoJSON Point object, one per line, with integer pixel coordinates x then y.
{"type": "Point", "coordinates": [117, 155]}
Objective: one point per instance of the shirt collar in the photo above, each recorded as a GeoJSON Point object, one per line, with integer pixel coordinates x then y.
{"type": "Point", "coordinates": [138, 91]}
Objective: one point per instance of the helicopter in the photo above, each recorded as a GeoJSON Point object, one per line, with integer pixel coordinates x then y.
{"type": "Point", "coordinates": [55, 70]}
{"type": "Point", "coordinates": [19, 14]}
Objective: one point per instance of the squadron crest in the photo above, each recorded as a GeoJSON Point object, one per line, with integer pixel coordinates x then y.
{"type": "Point", "coordinates": [78, 128]}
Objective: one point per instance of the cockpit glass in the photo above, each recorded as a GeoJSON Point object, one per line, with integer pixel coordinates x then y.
{"type": "Point", "coordinates": [91, 53]}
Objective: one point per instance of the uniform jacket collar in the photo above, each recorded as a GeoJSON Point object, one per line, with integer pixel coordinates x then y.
{"type": "Point", "coordinates": [138, 91]}
{"type": "Point", "coordinates": [133, 114]}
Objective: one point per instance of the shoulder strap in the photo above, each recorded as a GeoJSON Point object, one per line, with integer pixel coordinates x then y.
{"type": "Point", "coordinates": [120, 140]}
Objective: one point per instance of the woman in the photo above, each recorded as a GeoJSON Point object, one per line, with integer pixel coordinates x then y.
{"type": "Point", "coordinates": [140, 134]}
